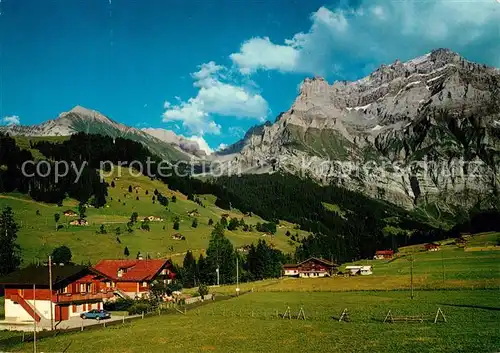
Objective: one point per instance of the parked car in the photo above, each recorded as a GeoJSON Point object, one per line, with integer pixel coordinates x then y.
{"type": "Point", "coordinates": [96, 314]}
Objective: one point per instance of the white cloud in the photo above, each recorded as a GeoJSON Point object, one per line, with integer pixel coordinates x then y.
{"type": "Point", "coordinates": [202, 144]}
{"type": "Point", "coordinates": [215, 97]}
{"type": "Point", "coordinates": [221, 147]}
{"type": "Point", "coordinates": [261, 53]}
{"type": "Point", "coordinates": [378, 31]}
{"type": "Point", "coordinates": [11, 120]}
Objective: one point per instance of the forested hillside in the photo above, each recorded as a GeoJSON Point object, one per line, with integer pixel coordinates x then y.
{"type": "Point", "coordinates": [344, 225]}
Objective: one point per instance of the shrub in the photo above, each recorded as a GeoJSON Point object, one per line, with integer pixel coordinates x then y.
{"type": "Point", "coordinates": [139, 308]}
{"type": "Point", "coordinates": [118, 305]}
{"type": "Point", "coordinates": [203, 290]}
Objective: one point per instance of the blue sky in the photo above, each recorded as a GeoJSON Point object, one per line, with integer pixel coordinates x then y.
{"type": "Point", "coordinates": [211, 69]}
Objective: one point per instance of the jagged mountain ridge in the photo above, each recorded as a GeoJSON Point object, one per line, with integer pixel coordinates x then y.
{"type": "Point", "coordinates": [437, 107]}
{"type": "Point", "coordinates": [80, 119]}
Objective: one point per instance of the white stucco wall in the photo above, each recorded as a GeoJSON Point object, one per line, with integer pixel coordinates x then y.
{"type": "Point", "coordinates": [310, 275]}
{"type": "Point", "coordinates": [43, 307]}
{"type": "Point", "coordinates": [16, 312]}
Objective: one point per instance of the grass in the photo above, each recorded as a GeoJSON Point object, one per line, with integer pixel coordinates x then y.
{"type": "Point", "coordinates": [461, 269]}
{"type": "Point", "coordinates": [249, 324]}
{"type": "Point", "coordinates": [38, 236]}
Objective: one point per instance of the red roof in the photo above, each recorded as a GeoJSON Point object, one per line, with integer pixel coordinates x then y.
{"type": "Point", "coordinates": [385, 252]}
{"type": "Point", "coordinates": [133, 270]}
{"type": "Point", "coordinates": [431, 245]}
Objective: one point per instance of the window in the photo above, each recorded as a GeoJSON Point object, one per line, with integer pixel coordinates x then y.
{"type": "Point", "coordinates": [83, 287]}
{"type": "Point", "coordinates": [144, 284]}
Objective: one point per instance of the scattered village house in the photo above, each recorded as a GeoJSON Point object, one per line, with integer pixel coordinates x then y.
{"type": "Point", "coordinates": [134, 278]}
{"type": "Point", "coordinates": [75, 289]}
{"type": "Point", "coordinates": [383, 254]}
{"type": "Point", "coordinates": [79, 222]}
{"type": "Point", "coordinates": [152, 219]}
{"type": "Point", "coordinates": [432, 247]}
{"type": "Point", "coordinates": [178, 236]}
{"type": "Point", "coordinates": [310, 268]}
{"type": "Point", "coordinates": [360, 270]}
{"type": "Point", "coordinates": [70, 213]}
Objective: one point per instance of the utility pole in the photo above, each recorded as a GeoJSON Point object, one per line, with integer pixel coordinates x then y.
{"type": "Point", "coordinates": [442, 265]}
{"type": "Point", "coordinates": [237, 276]}
{"type": "Point", "coordinates": [34, 319]}
{"type": "Point", "coordinates": [411, 276]}
{"type": "Point", "coordinates": [217, 271]}
{"type": "Point", "coordinates": [50, 289]}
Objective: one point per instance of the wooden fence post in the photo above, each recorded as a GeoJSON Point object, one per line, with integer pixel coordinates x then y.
{"type": "Point", "coordinates": [143, 314]}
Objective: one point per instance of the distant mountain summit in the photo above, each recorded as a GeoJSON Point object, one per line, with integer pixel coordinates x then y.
{"type": "Point", "coordinates": [80, 119]}
{"type": "Point", "coordinates": [189, 146]}
{"type": "Point", "coordinates": [437, 107]}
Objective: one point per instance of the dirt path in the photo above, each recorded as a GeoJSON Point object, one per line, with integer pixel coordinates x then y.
{"type": "Point", "coordinates": [25, 200]}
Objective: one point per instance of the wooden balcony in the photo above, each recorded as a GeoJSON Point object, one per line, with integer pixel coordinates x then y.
{"type": "Point", "coordinates": [82, 297]}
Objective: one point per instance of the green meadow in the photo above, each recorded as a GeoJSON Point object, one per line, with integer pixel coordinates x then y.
{"type": "Point", "coordinates": [249, 324]}
{"type": "Point", "coordinates": [38, 235]}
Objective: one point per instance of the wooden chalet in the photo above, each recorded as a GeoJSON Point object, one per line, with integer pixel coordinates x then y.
{"type": "Point", "coordinates": [384, 254]}
{"type": "Point", "coordinates": [432, 247]}
{"type": "Point", "coordinates": [75, 289]}
{"type": "Point", "coordinates": [70, 213]}
{"type": "Point", "coordinates": [134, 278]}
{"type": "Point", "coordinates": [310, 268]}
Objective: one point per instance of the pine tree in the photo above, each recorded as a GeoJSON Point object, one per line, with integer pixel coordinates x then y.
{"type": "Point", "coordinates": [57, 217]}
{"type": "Point", "coordinates": [220, 254]}
{"type": "Point", "coordinates": [195, 223]}
{"type": "Point", "coordinates": [203, 274]}
{"type": "Point", "coordinates": [190, 269]}
{"type": "Point", "coordinates": [133, 217]}
{"type": "Point", "coordinates": [112, 183]}
{"type": "Point", "coordinates": [81, 210]}
{"type": "Point", "coordinates": [233, 224]}
{"type": "Point", "coordinates": [223, 222]}
{"type": "Point", "coordinates": [9, 250]}
{"type": "Point", "coordinates": [174, 199]}
{"type": "Point", "coordinates": [130, 188]}
{"type": "Point", "coordinates": [62, 255]}
{"type": "Point", "coordinates": [176, 225]}
{"type": "Point", "coordinates": [126, 252]}
{"type": "Point", "coordinates": [145, 224]}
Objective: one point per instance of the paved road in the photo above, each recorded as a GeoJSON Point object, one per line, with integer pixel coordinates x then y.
{"type": "Point", "coordinates": [78, 322]}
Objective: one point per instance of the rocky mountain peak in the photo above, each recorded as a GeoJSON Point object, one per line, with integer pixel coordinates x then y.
{"type": "Point", "coordinates": [393, 114]}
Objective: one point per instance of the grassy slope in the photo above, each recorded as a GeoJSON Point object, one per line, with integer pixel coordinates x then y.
{"type": "Point", "coordinates": [24, 143]}
{"type": "Point", "coordinates": [462, 269]}
{"type": "Point", "coordinates": [38, 237]}
{"type": "Point", "coordinates": [472, 315]}
{"type": "Point", "coordinates": [228, 326]}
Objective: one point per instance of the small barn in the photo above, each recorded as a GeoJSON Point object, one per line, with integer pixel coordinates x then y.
{"type": "Point", "coordinates": [360, 270]}
{"type": "Point", "coordinates": [384, 254]}
{"type": "Point", "coordinates": [432, 247]}
{"type": "Point", "coordinates": [178, 236]}
{"type": "Point", "coordinates": [70, 213]}
{"type": "Point", "coordinates": [79, 222]}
